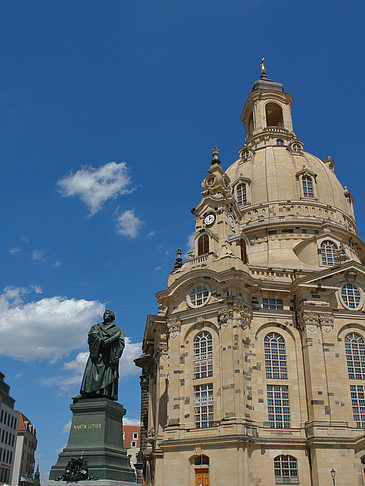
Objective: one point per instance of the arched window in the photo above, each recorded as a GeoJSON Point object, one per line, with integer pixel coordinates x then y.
{"type": "Point", "coordinates": [241, 191]}
{"type": "Point", "coordinates": [203, 355]}
{"type": "Point", "coordinates": [286, 470]}
{"type": "Point", "coordinates": [307, 186]}
{"type": "Point", "coordinates": [329, 251]}
{"type": "Point", "coordinates": [203, 245]}
{"type": "Point", "coordinates": [243, 251]}
{"type": "Point", "coordinates": [275, 356]}
{"type": "Point", "coordinates": [355, 356]}
{"type": "Point", "coordinates": [274, 115]}
{"type": "Point", "coordinates": [280, 142]}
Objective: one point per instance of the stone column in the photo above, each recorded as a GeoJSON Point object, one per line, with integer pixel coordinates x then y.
{"type": "Point", "coordinates": [310, 323]}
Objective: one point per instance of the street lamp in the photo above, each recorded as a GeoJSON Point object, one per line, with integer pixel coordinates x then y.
{"type": "Point", "coordinates": [333, 475]}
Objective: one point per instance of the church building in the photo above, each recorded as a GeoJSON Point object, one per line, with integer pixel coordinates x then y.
{"type": "Point", "coordinates": [253, 368]}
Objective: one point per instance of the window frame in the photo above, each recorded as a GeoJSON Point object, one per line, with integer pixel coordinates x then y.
{"type": "Point", "coordinates": [355, 356]}
{"type": "Point", "coordinates": [203, 359]}
{"type": "Point", "coordinates": [358, 404]}
{"type": "Point", "coordinates": [288, 478]}
{"type": "Point", "coordinates": [278, 405]}
{"type": "Point", "coordinates": [202, 245]}
{"type": "Point", "coordinates": [360, 296]}
{"type": "Point", "coordinates": [205, 295]}
{"type": "Point", "coordinates": [281, 366]}
{"type": "Point", "coordinates": [306, 188]}
{"type": "Point", "coordinates": [203, 406]}
{"type": "Point", "coordinates": [327, 255]}
{"type": "Point", "coordinates": [241, 193]}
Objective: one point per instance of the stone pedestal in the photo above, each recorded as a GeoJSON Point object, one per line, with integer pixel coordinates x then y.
{"type": "Point", "coordinates": [96, 434]}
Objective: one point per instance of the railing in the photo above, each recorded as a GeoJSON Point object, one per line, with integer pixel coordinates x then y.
{"type": "Point", "coordinates": [276, 129]}
{"type": "Point", "coordinates": [199, 261]}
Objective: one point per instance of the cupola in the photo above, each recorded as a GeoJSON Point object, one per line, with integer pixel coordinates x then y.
{"type": "Point", "coordinates": [267, 114]}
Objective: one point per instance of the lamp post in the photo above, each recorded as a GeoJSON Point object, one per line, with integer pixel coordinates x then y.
{"type": "Point", "coordinates": [333, 475]}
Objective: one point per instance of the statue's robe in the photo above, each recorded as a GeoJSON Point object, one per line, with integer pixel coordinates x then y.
{"type": "Point", "coordinates": [101, 372]}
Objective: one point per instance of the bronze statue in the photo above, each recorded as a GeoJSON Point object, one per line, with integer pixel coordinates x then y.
{"type": "Point", "coordinates": [106, 344]}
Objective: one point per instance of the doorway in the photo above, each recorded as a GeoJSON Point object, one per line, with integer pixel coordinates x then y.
{"type": "Point", "coordinates": [202, 477]}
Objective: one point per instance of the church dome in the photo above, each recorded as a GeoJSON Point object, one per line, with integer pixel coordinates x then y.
{"type": "Point", "coordinates": [275, 174]}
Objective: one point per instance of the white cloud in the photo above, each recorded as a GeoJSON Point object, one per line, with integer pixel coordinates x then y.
{"type": "Point", "coordinates": [189, 245]}
{"type": "Point", "coordinates": [128, 224]}
{"type": "Point", "coordinates": [48, 328]}
{"type": "Point", "coordinates": [18, 375]}
{"type": "Point", "coordinates": [37, 289]}
{"type": "Point", "coordinates": [57, 264]}
{"type": "Point", "coordinates": [38, 255]}
{"type": "Point", "coordinates": [15, 249]}
{"type": "Point", "coordinates": [66, 428]}
{"type": "Point", "coordinates": [131, 421]}
{"type": "Point", "coordinates": [96, 186]}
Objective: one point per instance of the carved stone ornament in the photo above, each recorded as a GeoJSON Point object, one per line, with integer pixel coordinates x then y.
{"type": "Point", "coordinates": [308, 321]}
{"type": "Point", "coordinates": [225, 316]}
{"type": "Point", "coordinates": [163, 349]}
{"type": "Point", "coordinates": [245, 316]}
{"type": "Point", "coordinates": [151, 436]}
{"type": "Point", "coordinates": [326, 321]}
{"type": "Point", "coordinates": [312, 320]}
{"type": "Point", "coordinates": [174, 326]}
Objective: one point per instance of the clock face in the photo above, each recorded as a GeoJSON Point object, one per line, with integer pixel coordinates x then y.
{"type": "Point", "coordinates": [231, 222]}
{"type": "Point", "coordinates": [209, 219]}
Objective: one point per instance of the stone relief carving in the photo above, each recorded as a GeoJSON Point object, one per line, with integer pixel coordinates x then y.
{"type": "Point", "coordinates": [326, 321]}
{"type": "Point", "coordinates": [173, 326]}
{"type": "Point", "coordinates": [225, 316]}
{"type": "Point", "coordinates": [309, 321]}
{"type": "Point", "coordinates": [312, 320]}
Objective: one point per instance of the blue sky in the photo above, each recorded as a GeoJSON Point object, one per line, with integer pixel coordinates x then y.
{"type": "Point", "coordinates": [108, 112]}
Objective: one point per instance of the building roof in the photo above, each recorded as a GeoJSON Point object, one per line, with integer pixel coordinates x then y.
{"type": "Point", "coordinates": [25, 424]}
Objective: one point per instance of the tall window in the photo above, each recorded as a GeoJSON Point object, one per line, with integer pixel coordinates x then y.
{"type": "Point", "coordinates": [203, 245]}
{"type": "Point", "coordinates": [329, 251]}
{"type": "Point", "coordinates": [274, 115]}
{"type": "Point", "coordinates": [241, 192]}
{"type": "Point", "coordinates": [307, 185]}
{"type": "Point", "coordinates": [278, 406]}
{"type": "Point", "coordinates": [203, 406]}
{"type": "Point", "coordinates": [203, 355]}
{"type": "Point", "coordinates": [243, 251]}
{"type": "Point", "coordinates": [286, 470]}
{"type": "Point", "coordinates": [358, 405]}
{"type": "Point", "coordinates": [355, 355]}
{"type": "Point", "coordinates": [275, 356]}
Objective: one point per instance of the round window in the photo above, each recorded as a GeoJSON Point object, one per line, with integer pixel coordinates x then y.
{"type": "Point", "coordinates": [351, 296]}
{"type": "Point", "coordinates": [199, 295]}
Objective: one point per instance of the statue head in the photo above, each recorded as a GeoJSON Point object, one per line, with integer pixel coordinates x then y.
{"type": "Point", "coordinates": [109, 316]}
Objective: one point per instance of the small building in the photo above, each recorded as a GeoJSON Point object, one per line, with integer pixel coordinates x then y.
{"type": "Point", "coordinates": [8, 431]}
{"type": "Point", "coordinates": [131, 435]}
{"type": "Point", "coordinates": [26, 445]}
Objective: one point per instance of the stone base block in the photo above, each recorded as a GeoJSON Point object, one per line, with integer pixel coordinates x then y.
{"type": "Point", "coordinates": [96, 435]}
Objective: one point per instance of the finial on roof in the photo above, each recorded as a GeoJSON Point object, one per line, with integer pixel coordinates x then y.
{"type": "Point", "coordinates": [263, 69]}
{"type": "Point", "coordinates": [179, 260]}
{"type": "Point", "coordinates": [215, 153]}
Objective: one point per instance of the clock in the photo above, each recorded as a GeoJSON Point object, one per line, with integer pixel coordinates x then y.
{"type": "Point", "coordinates": [209, 219]}
{"type": "Point", "coordinates": [231, 222]}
